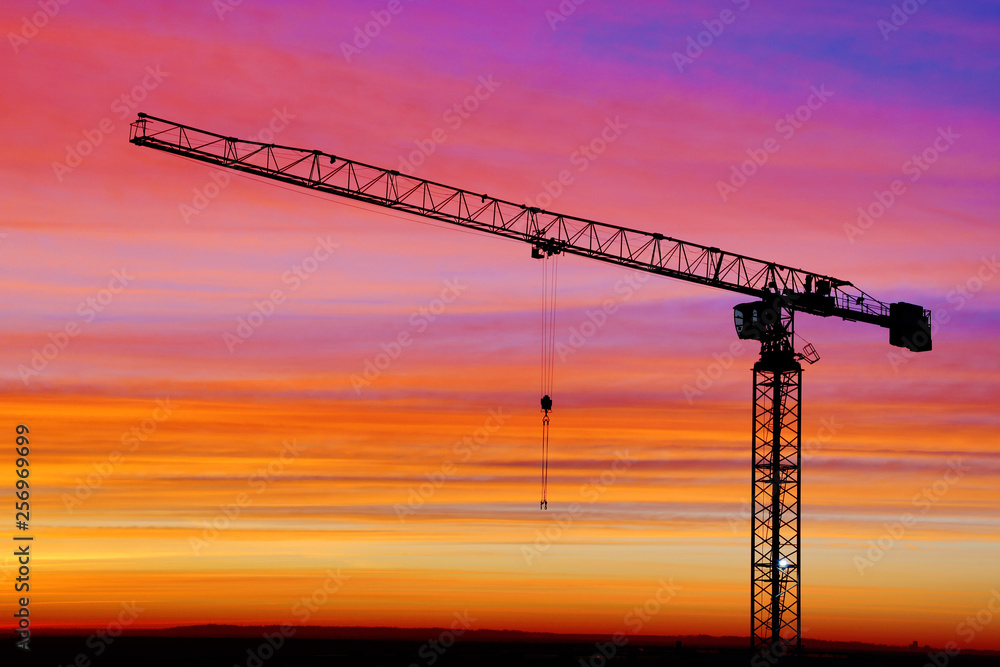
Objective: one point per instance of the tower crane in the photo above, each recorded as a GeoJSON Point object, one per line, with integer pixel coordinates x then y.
{"type": "Point", "coordinates": [777, 291]}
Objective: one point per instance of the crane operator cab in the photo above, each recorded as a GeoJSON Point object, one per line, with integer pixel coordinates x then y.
{"type": "Point", "coordinates": [750, 319]}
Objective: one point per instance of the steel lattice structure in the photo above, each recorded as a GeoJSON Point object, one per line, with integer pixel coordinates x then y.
{"type": "Point", "coordinates": [644, 251]}
{"type": "Point", "coordinates": [781, 291]}
{"type": "Point", "coordinates": [775, 572]}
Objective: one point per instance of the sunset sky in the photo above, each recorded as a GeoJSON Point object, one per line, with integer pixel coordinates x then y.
{"type": "Point", "coordinates": [220, 482]}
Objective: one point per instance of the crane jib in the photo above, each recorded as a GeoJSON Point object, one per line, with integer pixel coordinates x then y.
{"type": "Point", "coordinates": [799, 290]}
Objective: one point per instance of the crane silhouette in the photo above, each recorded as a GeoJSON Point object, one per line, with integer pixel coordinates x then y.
{"type": "Point", "coordinates": [778, 293]}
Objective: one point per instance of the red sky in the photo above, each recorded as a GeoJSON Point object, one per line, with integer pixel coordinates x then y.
{"type": "Point", "coordinates": [118, 517]}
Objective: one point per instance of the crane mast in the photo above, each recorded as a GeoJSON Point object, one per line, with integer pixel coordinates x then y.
{"type": "Point", "coordinates": [779, 292]}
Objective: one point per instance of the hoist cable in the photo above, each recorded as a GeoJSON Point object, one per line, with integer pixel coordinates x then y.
{"type": "Point", "coordinates": [549, 285]}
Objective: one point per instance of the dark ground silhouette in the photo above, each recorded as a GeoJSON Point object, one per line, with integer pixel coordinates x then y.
{"type": "Point", "coordinates": [233, 646]}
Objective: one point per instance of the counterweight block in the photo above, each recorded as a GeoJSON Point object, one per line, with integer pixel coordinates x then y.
{"type": "Point", "coordinates": [909, 327]}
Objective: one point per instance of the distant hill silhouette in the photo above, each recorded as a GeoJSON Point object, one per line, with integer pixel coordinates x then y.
{"type": "Point", "coordinates": [363, 633]}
